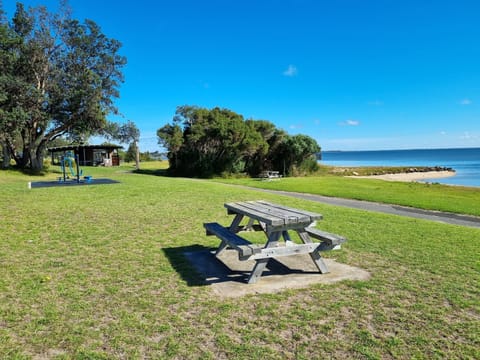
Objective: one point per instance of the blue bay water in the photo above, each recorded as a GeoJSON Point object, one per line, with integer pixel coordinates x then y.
{"type": "Point", "coordinates": [466, 161]}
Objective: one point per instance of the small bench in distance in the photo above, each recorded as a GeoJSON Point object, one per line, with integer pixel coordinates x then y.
{"type": "Point", "coordinates": [269, 174]}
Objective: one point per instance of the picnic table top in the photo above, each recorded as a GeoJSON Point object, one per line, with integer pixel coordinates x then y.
{"type": "Point", "coordinates": [273, 215]}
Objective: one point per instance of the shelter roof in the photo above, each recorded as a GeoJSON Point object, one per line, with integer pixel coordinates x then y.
{"type": "Point", "coordinates": [80, 147]}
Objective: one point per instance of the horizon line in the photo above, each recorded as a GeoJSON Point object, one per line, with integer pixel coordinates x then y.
{"type": "Point", "coordinates": [406, 149]}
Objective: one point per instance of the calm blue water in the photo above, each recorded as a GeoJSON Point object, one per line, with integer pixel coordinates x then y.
{"type": "Point", "coordinates": [466, 162]}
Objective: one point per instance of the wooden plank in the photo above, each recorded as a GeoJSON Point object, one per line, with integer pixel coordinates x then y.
{"type": "Point", "coordinates": [266, 212]}
{"type": "Point", "coordinates": [243, 246]}
{"type": "Point", "coordinates": [247, 209]}
{"type": "Point", "coordinates": [288, 216]}
{"type": "Point", "coordinates": [313, 216]}
{"type": "Point", "coordinates": [329, 238]}
{"type": "Point", "coordinates": [275, 252]}
{"type": "Point", "coordinates": [272, 214]}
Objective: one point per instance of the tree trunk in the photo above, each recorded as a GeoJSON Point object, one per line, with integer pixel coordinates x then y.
{"type": "Point", "coordinates": [137, 156]}
{"type": "Point", "coordinates": [6, 156]}
{"type": "Point", "coordinates": [36, 162]}
{"type": "Point", "coordinates": [22, 159]}
{"type": "Point", "coordinates": [36, 157]}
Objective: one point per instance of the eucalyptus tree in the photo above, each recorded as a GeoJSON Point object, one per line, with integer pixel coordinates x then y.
{"type": "Point", "coordinates": [60, 80]}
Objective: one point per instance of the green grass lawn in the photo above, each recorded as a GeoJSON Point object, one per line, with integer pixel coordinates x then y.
{"type": "Point", "coordinates": [455, 199]}
{"type": "Point", "coordinates": [96, 272]}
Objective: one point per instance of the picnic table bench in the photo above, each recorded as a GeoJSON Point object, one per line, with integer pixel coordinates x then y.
{"type": "Point", "coordinates": [270, 174]}
{"type": "Point", "coordinates": [275, 221]}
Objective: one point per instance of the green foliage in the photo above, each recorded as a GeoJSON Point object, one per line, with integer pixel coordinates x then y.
{"type": "Point", "coordinates": [307, 166]}
{"type": "Point", "coordinates": [58, 79]}
{"type": "Point", "coordinates": [145, 156]}
{"type": "Point", "coordinates": [213, 141]}
{"type": "Point", "coordinates": [267, 155]}
{"type": "Point", "coordinates": [125, 133]}
{"type": "Point", "coordinates": [130, 155]}
{"type": "Point", "coordinates": [203, 143]}
{"type": "Point", "coordinates": [296, 153]}
{"type": "Point", "coordinates": [171, 138]}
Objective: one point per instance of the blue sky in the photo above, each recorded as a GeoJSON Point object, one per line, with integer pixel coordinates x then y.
{"type": "Point", "coordinates": [354, 75]}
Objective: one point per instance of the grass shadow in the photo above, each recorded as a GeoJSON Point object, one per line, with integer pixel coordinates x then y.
{"type": "Point", "coordinates": [154, 172]}
{"type": "Point", "coordinates": [169, 173]}
{"type": "Point", "coordinates": [26, 171]}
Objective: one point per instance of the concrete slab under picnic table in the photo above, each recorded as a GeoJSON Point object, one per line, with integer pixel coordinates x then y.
{"type": "Point", "coordinates": [227, 275]}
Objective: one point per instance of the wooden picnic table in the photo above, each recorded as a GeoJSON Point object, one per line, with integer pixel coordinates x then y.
{"type": "Point", "coordinates": [270, 174]}
{"type": "Point", "coordinates": [275, 221]}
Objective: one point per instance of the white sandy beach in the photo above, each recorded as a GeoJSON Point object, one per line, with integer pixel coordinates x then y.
{"type": "Point", "coordinates": [412, 176]}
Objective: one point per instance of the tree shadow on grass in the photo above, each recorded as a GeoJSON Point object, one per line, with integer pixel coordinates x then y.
{"type": "Point", "coordinates": [168, 173]}
{"type": "Point", "coordinates": [154, 172]}
{"type": "Point", "coordinates": [26, 171]}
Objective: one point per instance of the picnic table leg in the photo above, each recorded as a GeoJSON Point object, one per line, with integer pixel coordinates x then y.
{"type": "Point", "coordinates": [287, 238]}
{"type": "Point", "coordinates": [250, 225]}
{"type": "Point", "coordinates": [315, 255]}
{"type": "Point", "coordinates": [235, 223]}
{"type": "Point", "coordinates": [233, 228]}
{"type": "Point", "coordinates": [261, 264]}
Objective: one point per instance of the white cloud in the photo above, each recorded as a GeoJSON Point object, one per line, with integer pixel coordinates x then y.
{"type": "Point", "coordinates": [406, 141]}
{"type": "Point", "coordinates": [467, 136]}
{"type": "Point", "coordinates": [350, 123]}
{"type": "Point", "coordinates": [465, 102]}
{"type": "Point", "coordinates": [296, 126]}
{"type": "Point", "coordinates": [291, 71]}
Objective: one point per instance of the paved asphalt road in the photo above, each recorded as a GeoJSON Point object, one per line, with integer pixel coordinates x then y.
{"type": "Point", "coordinates": [443, 217]}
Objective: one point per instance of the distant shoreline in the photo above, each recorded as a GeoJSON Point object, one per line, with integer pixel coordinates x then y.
{"type": "Point", "coordinates": [410, 176]}
{"type": "Point", "coordinates": [398, 150]}
{"type": "Point", "coordinates": [465, 162]}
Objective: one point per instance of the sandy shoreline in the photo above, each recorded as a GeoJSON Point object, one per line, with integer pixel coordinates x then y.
{"type": "Point", "coordinates": [411, 176]}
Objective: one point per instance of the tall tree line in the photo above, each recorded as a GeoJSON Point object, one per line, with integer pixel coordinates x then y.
{"type": "Point", "coordinates": [206, 142]}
